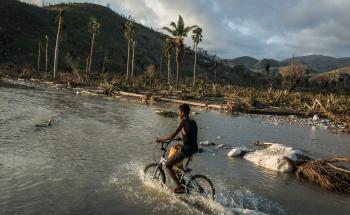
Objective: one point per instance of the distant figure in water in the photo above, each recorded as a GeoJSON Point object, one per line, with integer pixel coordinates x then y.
{"type": "Point", "coordinates": [189, 130]}
{"type": "Point", "coordinates": [48, 124]}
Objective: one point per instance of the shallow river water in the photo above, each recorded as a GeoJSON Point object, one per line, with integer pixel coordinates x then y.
{"type": "Point", "coordinates": [90, 161]}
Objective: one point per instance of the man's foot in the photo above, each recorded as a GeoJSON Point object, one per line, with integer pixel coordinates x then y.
{"type": "Point", "coordinates": [179, 190]}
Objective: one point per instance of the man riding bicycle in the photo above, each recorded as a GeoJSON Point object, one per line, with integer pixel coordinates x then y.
{"type": "Point", "coordinates": [189, 130]}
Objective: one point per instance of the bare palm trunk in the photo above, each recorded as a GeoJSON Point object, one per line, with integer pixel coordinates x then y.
{"type": "Point", "coordinates": [177, 76]}
{"type": "Point", "coordinates": [177, 67]}
{"type": "Point", "coordinates": [214, 75]}
{"type": "Point", "coordinates": [39, 54]}
{"type": "Point", "coordinates": [133, 59]}
{"type": "Point", "coordinates": [56, 47]}
{"type": "Point", "coordinates": [128, 62]}
{"type": "Point", "coordinates": [169, 69]}
{"type": "Point", "coordinates": [194, 69]}
{"type": "Point", "coordinates": [104, 64]}
{"type": "Point", "coordinates": [161, 62]}
{"type": "Point", "coordinates": [87, 67]}
{"type": "Point", "coordinates": [91, 52]}
{"type": "Point", "coordinates": [46, 54]}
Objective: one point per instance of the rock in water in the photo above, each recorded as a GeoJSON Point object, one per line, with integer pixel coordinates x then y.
{"type": "Point", "coordinates": [224, 146]}
{"type": "Point", "coordinates": [315, 118]}
{"type": "Point", "coordinates": [239, 151]}
{"type": "Point", "coordinates": [206, 143]}
{"type": "Point", "coordinates": [235, 152]}
{"type": "Point", "coordinates": [169, 114]}
{"type": "Point", "coordinates": [48, 124]}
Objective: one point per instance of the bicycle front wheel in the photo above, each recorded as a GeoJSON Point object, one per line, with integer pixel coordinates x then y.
{"type": "Point", "coordinates": [155, 173]}
{"type": "Point", "coordinates": [201, 185]}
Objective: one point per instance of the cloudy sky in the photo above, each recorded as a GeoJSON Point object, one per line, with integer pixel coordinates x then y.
{"type": "Point", "coordinates": [259, 28]}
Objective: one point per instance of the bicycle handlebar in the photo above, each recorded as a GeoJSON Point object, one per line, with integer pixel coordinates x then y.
{"type": "Point", "coordinates": [168, 142]}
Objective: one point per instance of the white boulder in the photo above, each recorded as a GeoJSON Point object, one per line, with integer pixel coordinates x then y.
{"type": "Point", "coordinates": [238, 151]}
{"type": "Point", "coordinates": [273, 157]}
{"type": "Point", "coordinates": [315, 118]}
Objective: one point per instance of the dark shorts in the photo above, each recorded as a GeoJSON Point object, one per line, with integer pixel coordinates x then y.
{"type": "Point", "coordinates": [177, 157]}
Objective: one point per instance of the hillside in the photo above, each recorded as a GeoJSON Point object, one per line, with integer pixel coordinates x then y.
{"type": "Point", "coordinates": [338, 79]}
{"type": "Point", "coordinates": [320, 63]}
{"type": "Point", "coordinates": [247, 61]}
{"type": "Point", "coordinates": [24, 25]}
{"type": "Point", "coordinates": [316, 63]}
{"type": "Point", "coordinates": [262, 64]}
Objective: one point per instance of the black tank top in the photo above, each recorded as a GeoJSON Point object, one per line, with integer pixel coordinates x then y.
{"type": "Point", "coordinates": [190, 145]}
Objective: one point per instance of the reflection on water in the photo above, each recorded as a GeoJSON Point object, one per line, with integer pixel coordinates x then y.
{"type": "Point", "coordinates": [90, 161]}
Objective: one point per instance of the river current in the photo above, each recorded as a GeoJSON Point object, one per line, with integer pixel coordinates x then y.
{"type": "Point", "coordinates": [90, 160]}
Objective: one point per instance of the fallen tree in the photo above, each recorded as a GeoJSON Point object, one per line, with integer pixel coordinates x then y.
{"type": "Point", "coordinates": [327, 174]}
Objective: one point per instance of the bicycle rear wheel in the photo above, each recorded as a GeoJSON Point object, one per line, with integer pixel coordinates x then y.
{"type": "Point", "coordinates": [201, 185]}
{"type": "Point", "coordinates": [155, 173]}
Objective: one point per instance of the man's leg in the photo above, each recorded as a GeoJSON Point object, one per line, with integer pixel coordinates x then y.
{"type": "Point", "coordinates": [177, 157]}
{"type": "Point", "coordinates": [173, 176]}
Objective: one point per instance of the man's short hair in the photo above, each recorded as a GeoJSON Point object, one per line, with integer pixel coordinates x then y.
{"type": "Point", "coordinates": [185, 108]}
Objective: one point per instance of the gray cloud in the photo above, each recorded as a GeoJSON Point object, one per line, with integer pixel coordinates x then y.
{"type": "Point", "coordinates": [263, 29]}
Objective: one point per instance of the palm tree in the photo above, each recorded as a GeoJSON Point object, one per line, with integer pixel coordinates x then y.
{"type": "Point", "coordinates": [129, 30]}
{"type": "Point", "coordinates": [46, 54]}
{"type": "Point", "coordinates": [179, 32]}
{"type": "Point", "coordinates": [169, 45]}
{"type": "Point", "coordinates": [94, 26]}
{"type": "Point", "coordinates": [39, 55]}
{"type": "Point", "coordinates": [133, 58]}
{"type": "Point", "coordinates": [60, 23]}
{"type": "Point", "coordinates": [197, 38]}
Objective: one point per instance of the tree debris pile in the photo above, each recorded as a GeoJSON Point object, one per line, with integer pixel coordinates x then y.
{"type": "Point", "coordinates": [327, 174]}
{"type": "Point", "coordinates": [237, 104]}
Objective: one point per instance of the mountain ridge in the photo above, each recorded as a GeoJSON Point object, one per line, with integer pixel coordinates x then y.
{"type": "Point", "coordinates": [318, 63]}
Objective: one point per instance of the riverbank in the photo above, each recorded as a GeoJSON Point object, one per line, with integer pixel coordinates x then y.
{"type": "Point", "coordinates": [235, 101]}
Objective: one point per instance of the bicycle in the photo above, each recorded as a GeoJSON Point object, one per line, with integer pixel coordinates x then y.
{"type": "Point", "coordinates": [192, 183]}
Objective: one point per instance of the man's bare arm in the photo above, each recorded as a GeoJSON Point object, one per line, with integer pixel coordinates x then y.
{"type": "Point", "coordinates": [171, 135]}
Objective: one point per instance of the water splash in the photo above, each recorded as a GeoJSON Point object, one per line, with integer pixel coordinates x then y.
{"type": "Point", "coordinates": [130, 180]}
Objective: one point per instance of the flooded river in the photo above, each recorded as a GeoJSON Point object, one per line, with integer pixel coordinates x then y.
{"type": "Point", "coordinates": [90, 161]}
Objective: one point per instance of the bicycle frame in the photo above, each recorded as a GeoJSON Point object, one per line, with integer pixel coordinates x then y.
{"type": "Point", "coordinates": [185, 177]}
{"type": "Point", "coordinates": [180, 173]}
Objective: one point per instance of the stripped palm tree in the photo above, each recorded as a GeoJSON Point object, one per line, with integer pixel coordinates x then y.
{"type": "Point", "coordinates": [60, 23]}
{"type": "Point", "coordinates": [169, 45]}
{"type": "Point", "coordinates": [133, 58]}
{"type": "Point", "coordinates": [94, 26]}
{"type": "Point", "coordinates": [46, 54]}
{"type": "Point", "coordinates": [39, 56]}
{"type": "Point", "coordinates": [129, 31]}
{"type": "Point", "coordinates": [179, 32]}
{"type": "Point", "coordinates": [197, 38]}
